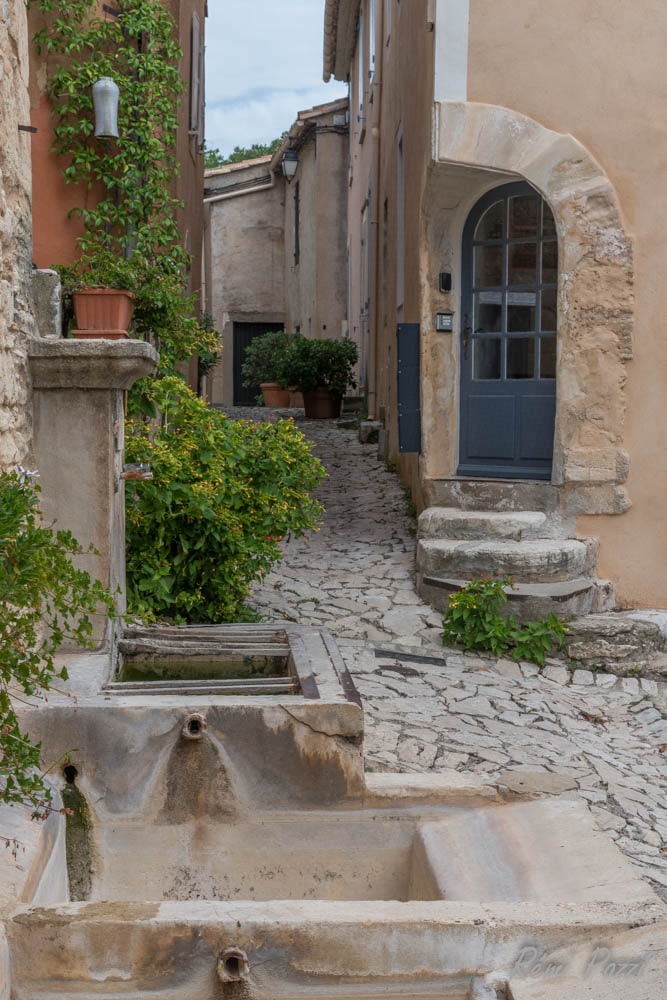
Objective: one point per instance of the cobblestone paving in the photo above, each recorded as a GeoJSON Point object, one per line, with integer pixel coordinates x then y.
{"type": "Point", "coordinates": [429, 708]}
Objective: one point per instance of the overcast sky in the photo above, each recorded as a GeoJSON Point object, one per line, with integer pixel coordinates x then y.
{"type": "Point", "coordinates": [263, 65]}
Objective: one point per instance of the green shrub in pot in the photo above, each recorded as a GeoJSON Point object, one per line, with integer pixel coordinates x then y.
{"type": "Point", "coordinates": [264, 359]}
{"type": "Point", "coordinates": [314, 364]}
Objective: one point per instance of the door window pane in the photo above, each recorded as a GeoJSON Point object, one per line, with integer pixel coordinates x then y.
{"type": "Point", "coordinates": [548, 357]}
{"type": "Point", "coordinates": [548, 313]}
{"type": "Point", "coordinates": [520, 357]}
{"type": "Point", "coordinates": [549, 263]}
{"type": "Point", "coordinates": [520, 319]}
{"type": "Point", "coordinates": [486, 355]}
{"type": "Point", "coordinates": [488, 266]}
{"type": "Point", "coordinates": [522, 264]}
{"type": "Point", "coordinates": [490, 226]}
{"type": "Point", "coordinates": [488, 315]}
{"type": "Point", "coordinates": [524, 216]}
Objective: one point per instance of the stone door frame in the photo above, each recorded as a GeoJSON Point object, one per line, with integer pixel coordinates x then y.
{"type": "Point", "coordinates": [477, 147]}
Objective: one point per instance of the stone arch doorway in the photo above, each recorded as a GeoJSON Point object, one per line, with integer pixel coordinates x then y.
{"type": "Point", "coordinates": [478, 147]}
{"type": "Point", "coordinates": [508, 336]}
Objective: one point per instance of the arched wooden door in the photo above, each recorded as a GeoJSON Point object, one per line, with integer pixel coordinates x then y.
{"type": "Point", "coordinates": [508, 336]}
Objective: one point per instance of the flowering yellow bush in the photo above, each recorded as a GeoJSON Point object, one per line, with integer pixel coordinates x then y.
{"type": "Point", "coordinates": [224, 494]}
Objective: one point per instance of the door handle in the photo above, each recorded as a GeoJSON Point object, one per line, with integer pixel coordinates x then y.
{"type": "Point", "coordinates": [465, 336]}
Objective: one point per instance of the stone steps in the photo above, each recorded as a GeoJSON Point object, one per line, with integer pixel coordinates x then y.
{"type": "Point", "coordinates": [548, 573]}
{"type": "Point", "coordinates": [450, 522]}
{"type": "Point", "coordinates": [532, 561]}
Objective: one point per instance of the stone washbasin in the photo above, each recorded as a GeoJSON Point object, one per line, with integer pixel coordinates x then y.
{"type": "Point", "coordinates": [225, 844]}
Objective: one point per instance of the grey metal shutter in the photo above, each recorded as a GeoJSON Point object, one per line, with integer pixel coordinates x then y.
{"type": "Point", "coordinates": [409, 414]}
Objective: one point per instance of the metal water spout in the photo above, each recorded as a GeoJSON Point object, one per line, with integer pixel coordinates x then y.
{"type": "Point", "coordinates": [194, 727]}
{"type": "Point", "coordinates": [198, 783]}
{"type": "Point", "coordinates": [232, 966]}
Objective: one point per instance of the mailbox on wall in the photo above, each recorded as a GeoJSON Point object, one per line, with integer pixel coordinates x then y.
{"type": "Point", "coordinates": [444, 322]}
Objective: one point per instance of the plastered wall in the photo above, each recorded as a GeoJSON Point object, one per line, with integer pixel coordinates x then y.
{"type": "Point", "coordinates": [596, 71]}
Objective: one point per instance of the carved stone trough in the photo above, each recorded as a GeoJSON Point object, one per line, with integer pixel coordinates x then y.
{"type": "Point", "coordinates": [227, 843]}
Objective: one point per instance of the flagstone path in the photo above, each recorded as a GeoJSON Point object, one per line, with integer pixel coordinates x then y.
{"type": "Point", "coordinates": [428, 708]}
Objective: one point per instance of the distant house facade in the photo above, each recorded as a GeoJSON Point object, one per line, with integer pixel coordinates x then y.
{"type": "Point", "coordinates": [276, 251]}
{"type": "Point", "coordinates": [244, 211]}
{"type": "Point", "coordinates": [506, 225]}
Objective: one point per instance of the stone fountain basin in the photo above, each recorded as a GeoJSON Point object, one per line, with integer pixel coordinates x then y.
{"type": "Point", "coordinates": [333, 950]}
{"type": "Point", "coordinates": [542, 850]}
{"type": "Point", "coordinates": [257, 830]}
{"type": "Point", "coordinates": [426, 886]}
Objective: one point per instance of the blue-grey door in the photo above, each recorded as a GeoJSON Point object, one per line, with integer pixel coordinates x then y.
{"type": "Point", "coordinates": [508, 336]}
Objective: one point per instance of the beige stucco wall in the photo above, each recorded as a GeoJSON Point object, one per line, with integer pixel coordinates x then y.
{"type": "Point", "coordinates": [252, 275]}
{"type": "Point", "coordinates": [597, 71]}
{"type": "Point", "coordinates": [16, 321]}
{"type": "Point", "coordinates": [568, 97]}
{"type": "Point", "coordinates": [244, 257]}
{"type": "Point", "coordinates": [361, 244]}
{"type": "Point", "coordinates": [315, 287]}
{"type": "Point", "coordinates": [400, 111]}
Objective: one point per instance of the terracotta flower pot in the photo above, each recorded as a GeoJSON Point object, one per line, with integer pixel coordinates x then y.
{"type": "Point", "coordinates": [274, 395]}
{"type": "Point", "coordinates": [104, 313]}
{"type": "Point", "coordinates": [296, 399]}
{"type": "Point", "coordinates": [320, 404]}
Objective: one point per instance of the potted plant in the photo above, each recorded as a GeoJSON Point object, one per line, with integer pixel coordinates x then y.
{"type": "Point", "coordinates": [102, 296]}
{"type": "Point", "coordinates": [322, 370]}
{"type": "Point", "coordinates": [263, 366]}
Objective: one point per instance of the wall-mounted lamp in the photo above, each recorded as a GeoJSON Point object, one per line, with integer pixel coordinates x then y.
{"type": "Point", "coordinates": [105, 99]}
{"type": "Point", "coordinates": [290, 163]}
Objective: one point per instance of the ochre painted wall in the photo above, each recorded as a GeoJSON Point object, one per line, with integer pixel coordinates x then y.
{"type": "Point", "coordinates": [596, 70]}
{"type": "Point", "coordinates": [54, 234]}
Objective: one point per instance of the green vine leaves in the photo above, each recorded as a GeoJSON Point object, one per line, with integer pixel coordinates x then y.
{"type": "Point", "coordinates": [131, 237]}
{"type": "Point", "coordinates": [136, 213]}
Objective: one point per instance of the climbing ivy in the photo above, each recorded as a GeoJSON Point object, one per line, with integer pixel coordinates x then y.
{"type": "Point", "coordinates": [132, 212]}
{"type": "Point", "coordinates": [131, 237]}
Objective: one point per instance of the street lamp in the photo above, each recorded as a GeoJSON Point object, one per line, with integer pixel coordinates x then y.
{"type": "Point", "coordinates": [290, 163]}
{"type": "Point", "coordinates": [105, 100]}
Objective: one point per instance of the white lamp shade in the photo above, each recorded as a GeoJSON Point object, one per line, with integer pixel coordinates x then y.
{"type": "Point", "coordinates": [290, 163]}
{"type": "Point", "coordinates": [105, 99]}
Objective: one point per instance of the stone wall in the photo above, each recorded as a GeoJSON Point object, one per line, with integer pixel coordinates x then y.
{"type": "Point", "coordinates": [16, 321]}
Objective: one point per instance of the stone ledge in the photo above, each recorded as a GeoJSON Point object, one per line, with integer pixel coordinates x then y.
{"type": "Point", "coordinates": [616, 641]}
{"type": "Point", "coordinates": [89, 364]}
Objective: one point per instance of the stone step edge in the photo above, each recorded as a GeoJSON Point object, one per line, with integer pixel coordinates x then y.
{"type": "Point", "coordinates": [537, 560]}
{"type": "Point", "coordinates": [480, 525]}
{"type": "Point", "coordinates": [560, 590]}
{"type": "Point", "coordinates": [503, 545]}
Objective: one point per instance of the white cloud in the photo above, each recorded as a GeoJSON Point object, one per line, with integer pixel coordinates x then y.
{"type": "Point", "coordinates": [263, 66]}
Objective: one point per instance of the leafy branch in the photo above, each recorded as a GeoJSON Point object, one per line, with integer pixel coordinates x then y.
{"type": "Point", "coordinates": [44, 600]}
